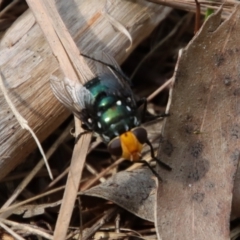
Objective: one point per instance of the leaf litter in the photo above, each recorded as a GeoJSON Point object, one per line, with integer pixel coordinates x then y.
{"type": "Point", "coordinates": [143, 205]}
{"type": "Point", "coordinates": [200, 141]}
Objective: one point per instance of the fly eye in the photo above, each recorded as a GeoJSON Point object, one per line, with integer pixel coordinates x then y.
{"type": "Point", "coordinates": [140, 134]}
{"type": "Point", "coordinates": [114, 147]}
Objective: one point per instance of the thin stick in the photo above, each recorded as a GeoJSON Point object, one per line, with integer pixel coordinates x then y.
{"type": "Point", "coordinates": [75, 68]}
{"type": "Point", "coordinates": [31, 199]}
{"type": "Point", "coordinates": [93, 171]}
{"type": "Point", "coordinates": [197, 17]}
{"type": "Point", "coordinates": [173, 80]}
{"type": "Point", "coordinates": [27, 228]}
{"type": "Point", "coordinates": [91, 183]}
{"type": "Point", "coordinates": [10, 231]}
{"type": "Point", "coordinates": [107, 216]}
{"type": "Point", "coordinates": [65, 172]}
{"type": "Point", "coordinates": [161, 88]}
{"type": "Point", "coordinates": [34, 171]}
{"type": "Point", "coordinates": [158, 45]}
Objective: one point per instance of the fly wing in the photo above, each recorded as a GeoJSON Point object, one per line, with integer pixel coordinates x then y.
{"type": "Point", "coordinates": [110, 73]}
{"type": "Point", "coordinates": [73, 95]}
{"type": "Point", "coordinates": [102, 62]}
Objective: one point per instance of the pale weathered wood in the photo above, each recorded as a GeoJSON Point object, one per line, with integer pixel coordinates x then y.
{"type": "Point", "coordinates": [27, 62]}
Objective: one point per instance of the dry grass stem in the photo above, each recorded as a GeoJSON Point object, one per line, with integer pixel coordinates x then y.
{"type": "Point", "coordinates": [160, 89]}
{"type": "Point", "coordinates": [34, 171]}
{"type": "Point", "coordinates": [118, 26]}
{"type": "Point", "coordinates": [107, 216]}
{"type": "Point", "coordinates": [94, 172]}
{"type": "Point", "coordinates": [27, 229]}
{"type": "Point", "coordinates": [74, 68]}
{"type": "Point", "coordinates": [19, 204]}
{"type": "Point", "coordinates": [154, 49]}
{"type": "Point", "coordinates": [173, 80]}
{"type": "Point", "coordinates": [100, 175]}
{"type": "Point", "coordinates": [10, 231]}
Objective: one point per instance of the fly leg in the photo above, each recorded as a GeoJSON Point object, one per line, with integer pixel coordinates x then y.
{"type": "Point", "coordinates": [143, 101]}
{"type": "Point", "coordinates": [86, 130]}
{"type": "Point", "coordinates": [150, 167]}
{"type": "Point", "coordinates": [80, 135]}
{"type": "Point", "coordinates": [160, 163]}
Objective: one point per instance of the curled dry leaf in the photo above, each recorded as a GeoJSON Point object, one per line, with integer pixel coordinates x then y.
{"type": "Point", "coordinates": [134, 191]}
{"type": "Point", "coordinates": [32, 210]}
{"type": "Point", "coordinates": [202, 136]}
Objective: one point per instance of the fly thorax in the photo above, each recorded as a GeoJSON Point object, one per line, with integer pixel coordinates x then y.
{"type": "Point", "coordinates": [115, 118]}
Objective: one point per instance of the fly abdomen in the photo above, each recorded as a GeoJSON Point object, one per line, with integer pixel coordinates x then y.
{"type": "Point", "coordinates": [115, 118]}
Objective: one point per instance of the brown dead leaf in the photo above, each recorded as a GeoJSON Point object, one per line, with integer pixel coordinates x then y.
{"type": "Point", "coordinates": [202, 136]}
{"type": "Point", "coordinates": [134, 191]}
